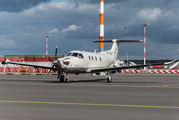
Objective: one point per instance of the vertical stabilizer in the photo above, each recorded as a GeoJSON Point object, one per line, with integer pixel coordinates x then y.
{"type": "Point", "coordinates": [114, 48]}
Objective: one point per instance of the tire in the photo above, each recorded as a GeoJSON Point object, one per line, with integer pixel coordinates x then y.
{"type": "Point", "coordinates": [62, 78]}
{"type": "Point", "coordinates": [109, 79]}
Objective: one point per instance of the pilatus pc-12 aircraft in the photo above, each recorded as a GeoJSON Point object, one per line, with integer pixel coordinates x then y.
{"type": "Point", "coordinates": [77, 62]}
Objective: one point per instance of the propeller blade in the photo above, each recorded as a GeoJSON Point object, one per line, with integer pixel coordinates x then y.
{"type": "Point", "coordinates": [53, 62]}
{"type": "Point", "coordinates": [56, 52]}
{"type": "Point", "coordinates": [50, 69]}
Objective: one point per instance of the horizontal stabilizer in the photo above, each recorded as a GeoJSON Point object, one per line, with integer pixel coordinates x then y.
{"type": "Point", "coordinates": [118, 41]}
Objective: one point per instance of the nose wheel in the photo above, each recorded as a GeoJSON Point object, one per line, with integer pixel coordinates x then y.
{"type": "Point", "coordinates": [108, 77]}
{"type": "Point", "coordinates": [64, 78]}
{"type": "Point", "coordinates": [67, 79]}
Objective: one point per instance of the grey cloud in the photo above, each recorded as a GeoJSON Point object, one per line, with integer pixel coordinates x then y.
{"type": "Point", "coordinates": [26, 29]}
{"type": "Point", "coordinates": [19, 5]}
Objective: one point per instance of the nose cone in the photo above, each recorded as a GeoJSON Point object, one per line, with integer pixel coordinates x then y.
{"type": "Point", "coordinates": [56, 61]}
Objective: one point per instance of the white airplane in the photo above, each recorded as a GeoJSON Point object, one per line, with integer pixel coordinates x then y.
{"type": "Point", "coordinates": [77, 62]}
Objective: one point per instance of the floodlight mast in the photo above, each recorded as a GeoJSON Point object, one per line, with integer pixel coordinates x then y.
{"type": "Point", "coordinates": [46, 36]}
{"type": "Point", "coordinates": [127, 58]}
{"type": "Point", "coordinates": [145, 68]}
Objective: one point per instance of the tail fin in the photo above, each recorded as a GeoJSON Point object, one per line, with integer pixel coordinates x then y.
{"type": "Point", "coordinates": [114, 48]}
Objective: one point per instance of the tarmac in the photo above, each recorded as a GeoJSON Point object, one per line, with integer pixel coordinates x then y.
{"type": "Point", "coordinates": [128, 97]}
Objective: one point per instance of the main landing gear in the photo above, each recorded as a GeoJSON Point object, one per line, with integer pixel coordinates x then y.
{"type": "Point", "coordinates": [108, 76]}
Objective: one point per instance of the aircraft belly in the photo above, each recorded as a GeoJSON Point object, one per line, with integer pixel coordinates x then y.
{"type": "Point", "coordinates": [76, 69]}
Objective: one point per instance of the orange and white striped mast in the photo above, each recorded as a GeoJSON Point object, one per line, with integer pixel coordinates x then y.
{"type": "Point", "coordinates": [101, 38]}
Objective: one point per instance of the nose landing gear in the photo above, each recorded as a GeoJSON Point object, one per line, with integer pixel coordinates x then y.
{"type": "Point", "coordinates": [108, 76]}
{"type": "Point", "coordinates": [64, 78]}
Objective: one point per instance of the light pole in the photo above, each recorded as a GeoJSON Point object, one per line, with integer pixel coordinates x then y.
{"type": "Point", "coordinates": [145, 68]}
{"type": "Point", "coordinates": [46, 36]}
{"type": "Point", "coordinates": [127, 59]}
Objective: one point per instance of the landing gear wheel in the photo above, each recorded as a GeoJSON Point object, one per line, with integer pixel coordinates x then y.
{"type": "Point", "coordinates": [62, 78]}
{"type": "Point", "coordinates": [67, 80]}
{"type": "Point", "coordinates": [108, 76]}
{"type": "Point", "coordinates": [109, 79]}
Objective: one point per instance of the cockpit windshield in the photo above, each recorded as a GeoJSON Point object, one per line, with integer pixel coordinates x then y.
{"type": "Point", "coordinates": [79, 55]}
{"type": "Point", "coordinates": [69, 54]}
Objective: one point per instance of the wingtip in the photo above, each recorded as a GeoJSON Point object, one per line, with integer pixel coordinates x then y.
{"type": "Point", "coordinates": [3, 62]}
{"type": "Point", "coordinates": [170, 62]}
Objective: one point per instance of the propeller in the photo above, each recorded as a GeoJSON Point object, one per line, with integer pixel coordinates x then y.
{"type": "Point", "coordinates": [55, 55]}
{"type": "Point", "coordinates": [55, 63]}
{"type": "Point", "coordinates": [56, 52]}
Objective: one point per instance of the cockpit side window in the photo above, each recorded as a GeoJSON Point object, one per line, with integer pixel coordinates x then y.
{"type": "Point", "coordinates": [80, 56]}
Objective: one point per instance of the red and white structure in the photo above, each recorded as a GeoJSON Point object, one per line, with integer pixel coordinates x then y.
{"type": "Point", "coordinates": [150, 71]}
{"type": "Point", "coordinates": [145, 68]}
{"type": "Point", "coordinates": [101, 13]}
{"type": "Point", "coordinates": [46, 36]}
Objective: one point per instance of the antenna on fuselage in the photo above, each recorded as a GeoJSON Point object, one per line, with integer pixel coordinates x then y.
{"type": "Point", "coordinates": [95, 51]}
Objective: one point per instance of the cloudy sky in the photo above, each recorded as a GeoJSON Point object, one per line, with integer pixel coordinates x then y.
{"type": "Point", "coordinates": [74, 24]}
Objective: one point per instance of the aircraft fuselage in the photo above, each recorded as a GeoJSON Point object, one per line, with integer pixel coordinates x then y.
{"type": "Point", "coordinates": [84, 62]}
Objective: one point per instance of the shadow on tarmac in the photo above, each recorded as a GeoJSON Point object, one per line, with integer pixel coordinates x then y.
{"type": "Point", "coordinates": [78, 81]}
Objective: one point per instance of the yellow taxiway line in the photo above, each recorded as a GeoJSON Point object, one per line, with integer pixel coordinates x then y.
{"type": "Point", "coordinates": [89, 104]}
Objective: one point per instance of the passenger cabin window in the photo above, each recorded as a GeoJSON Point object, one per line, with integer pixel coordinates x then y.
{"type": "Point", "coordinates": [96, 58]}
{"type": "Point", "coordinates": [92, 57]}
{"type": "Point", "coordinates": [89, 58]}
{"type": "Point", "coordinates": [100, 58]}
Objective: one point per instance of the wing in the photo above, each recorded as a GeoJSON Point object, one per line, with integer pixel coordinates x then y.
{"type": "Point", "coordinates": [127, 67]}
{"type": "Point", "coordinates": [30, 65]}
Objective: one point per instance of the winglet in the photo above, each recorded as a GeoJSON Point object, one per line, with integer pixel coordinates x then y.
{"type": "Point", "coordinates": [167, 63]}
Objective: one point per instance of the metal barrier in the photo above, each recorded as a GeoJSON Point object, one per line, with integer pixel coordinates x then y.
{"type": "Point", "coordinates": [36, 60]}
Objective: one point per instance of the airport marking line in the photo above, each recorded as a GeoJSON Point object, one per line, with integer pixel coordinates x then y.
{"type": "Point", "coordinates": [89, 104]}
{"type": "Point", "coordinates": [162, 85]}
